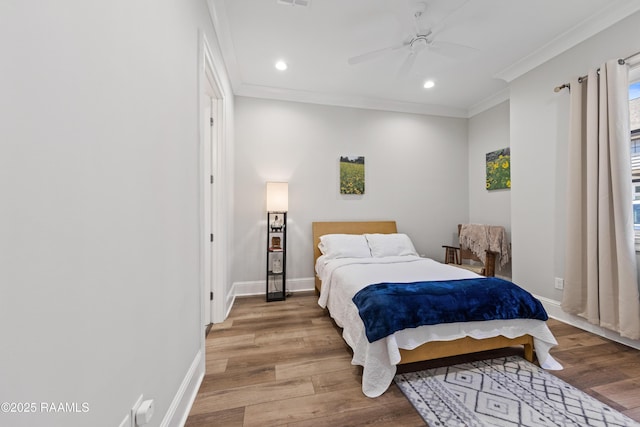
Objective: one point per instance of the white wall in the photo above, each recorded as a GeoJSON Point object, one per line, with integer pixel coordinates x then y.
{"type": "Point", "coordinates": [99, 247]}
{"type": "Point", "coordinates": [488, 131]}
{"type": "Point", "coordinates": [539, 132]}
{"type": "Point", "coordinates": [415, 174]}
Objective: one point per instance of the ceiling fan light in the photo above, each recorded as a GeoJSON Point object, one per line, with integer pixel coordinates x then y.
{"type": "Point", "coordinates": [429, 84]}
{"type": "Point", "coordinates": [281, 65]}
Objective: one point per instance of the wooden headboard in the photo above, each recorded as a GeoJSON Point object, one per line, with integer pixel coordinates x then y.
{"type": "Point", "coordinates": [349, 227]}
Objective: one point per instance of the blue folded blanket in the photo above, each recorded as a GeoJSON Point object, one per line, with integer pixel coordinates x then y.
{"type": "Point", "coordinates": [386, 308]}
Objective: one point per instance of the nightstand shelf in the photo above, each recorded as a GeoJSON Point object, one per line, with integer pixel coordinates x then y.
{"type": "Point", "coordinates": [276, 256]}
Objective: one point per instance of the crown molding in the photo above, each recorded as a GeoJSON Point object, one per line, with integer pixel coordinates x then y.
{"type": "Point", "coordinates": [489, 102]}
{"type": "Point", "coordinates": [581, 32]}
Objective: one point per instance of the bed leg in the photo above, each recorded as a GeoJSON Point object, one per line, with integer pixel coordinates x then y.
{"type": "Point", "coordinates": [528, 352]}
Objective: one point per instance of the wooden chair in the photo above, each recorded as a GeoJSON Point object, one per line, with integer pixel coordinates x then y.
{"type": "Point", "coordinates": [462, 257]}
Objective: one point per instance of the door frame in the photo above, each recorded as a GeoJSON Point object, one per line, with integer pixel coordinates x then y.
{"type": "Point", "coordinates": [208, 72]}
{"type": "Point", "coordinates": [209, 192]}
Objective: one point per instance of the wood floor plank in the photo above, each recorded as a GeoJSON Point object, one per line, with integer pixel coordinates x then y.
{"type": "Point", "coordinates": [302, 368]}
{"type": "Point", "coordinates": [346, 378]}
{"type": "Point", "coordinates": [253, 354]}
{"type": "Point", "coordinates": [218, 340]}
{"type": "Point", "coordinates": [238, 378]}
{"type": "Point", "coordinates": [380, 416]}
{"type": "Point", "coordinates": [217, 366]}
{"type": "Point", "coordinates": [285, 363]}
{"type": "Point", "coordinates": [588, 376]}
{"type": "Point", "coordinates": [228, 418]}
{"type": "Point", "coordinates": [626, 393]}
{"type": "Point", "coordinates": [284, 354]}
{"type": "Point", "coordinates": [268, 392]}
{"type": "Point", "coordinates": [633, 413]}
{"type": "Point", "coordinates": [272, 337]}
{"type": "Point", "coordinates": [579, 341]}
{"type": "Point", "coordinates": [303, 408]}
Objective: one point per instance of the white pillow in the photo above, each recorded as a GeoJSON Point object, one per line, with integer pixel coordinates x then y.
{"type": "Point", "coordinates": [344, 246]}
{"type": "Point", "coordinates": [396, 244]}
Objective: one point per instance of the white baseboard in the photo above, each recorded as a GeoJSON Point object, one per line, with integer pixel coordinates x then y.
{"type": "Point", "coordinates": [231, 298]}
{"type": "Point", "coordinates": [180, 407]}
{"type": "Point", "coordinates": [555, 311]}
{"type": "Point", "coordinates": [258, 287]}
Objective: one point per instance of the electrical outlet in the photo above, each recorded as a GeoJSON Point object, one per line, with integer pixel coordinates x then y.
{"type": "Point", "coordinates": [559, 283]}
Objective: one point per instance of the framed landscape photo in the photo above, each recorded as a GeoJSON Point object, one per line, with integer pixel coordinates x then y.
{"type": "Point", "coordinates": [351, 174]}
{"type": "Point", "coordinates": [499, 169]}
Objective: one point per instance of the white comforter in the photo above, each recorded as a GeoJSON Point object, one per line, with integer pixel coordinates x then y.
{"type": "Point", "coordinates": [343, 278]}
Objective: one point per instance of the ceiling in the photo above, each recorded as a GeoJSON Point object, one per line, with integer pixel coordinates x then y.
{"type": "Point", "coordinates": [475, 48]}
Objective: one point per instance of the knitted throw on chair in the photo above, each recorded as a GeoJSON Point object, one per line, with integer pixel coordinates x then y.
{"type": "Point", "coordinates": [480, 238]}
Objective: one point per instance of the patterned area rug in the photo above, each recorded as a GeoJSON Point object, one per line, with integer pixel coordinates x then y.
{"type": "Point", "coordinates": [507, 391]}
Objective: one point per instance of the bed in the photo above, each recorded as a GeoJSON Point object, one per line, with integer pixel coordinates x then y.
{"type": "Point", "coordinates": [340, 279]}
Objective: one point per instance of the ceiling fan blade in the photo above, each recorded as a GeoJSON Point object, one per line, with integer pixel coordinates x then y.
{"type": "Point", "coordinates": [451, 50]}
{"type": "Point", "coordinates": [411, 16]}
{"type": "Point", "coordinates": [407, 65]}
{"type": "Point", "coordinates": [419, 9]}
{"type": "Point", "coordinates": [440, 24]}
{"type": "Point", "coordinates": [373, 54]}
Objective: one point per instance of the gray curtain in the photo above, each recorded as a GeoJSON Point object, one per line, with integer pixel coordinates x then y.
{"type": "Point", "coordinates": [600, 272]}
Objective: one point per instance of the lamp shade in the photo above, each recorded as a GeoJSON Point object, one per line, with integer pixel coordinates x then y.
{"type": "Point", "coordinates": [277, 196]}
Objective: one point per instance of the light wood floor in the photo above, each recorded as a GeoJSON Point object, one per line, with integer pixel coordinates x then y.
{"type": "Point", "coordinates": [285, 363]}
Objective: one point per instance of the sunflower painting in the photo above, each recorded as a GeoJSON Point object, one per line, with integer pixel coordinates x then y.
{"type": "Point", "coordinates": [351, 175]}
{"type": "Point", "coordinates": [499, 169]}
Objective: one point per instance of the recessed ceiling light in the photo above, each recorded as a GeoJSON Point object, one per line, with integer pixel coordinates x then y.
{"type": "Point", "coordinates": [429, 84]}
{"type": "Point", "coordinates": [281, 65]}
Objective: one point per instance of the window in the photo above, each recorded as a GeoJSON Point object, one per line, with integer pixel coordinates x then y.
{"type": "Point", "coordinates": [634, 116]}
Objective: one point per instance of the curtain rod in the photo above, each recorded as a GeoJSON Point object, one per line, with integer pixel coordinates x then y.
{"type": "Point", "coordinates": [621, 61]}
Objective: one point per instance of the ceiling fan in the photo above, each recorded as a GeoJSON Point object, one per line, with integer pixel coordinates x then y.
{"type": "Point", "coordinates": [421, 40]}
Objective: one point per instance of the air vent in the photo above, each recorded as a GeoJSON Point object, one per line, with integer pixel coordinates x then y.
{"type": "Point", "coordinates": [303, 3]}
